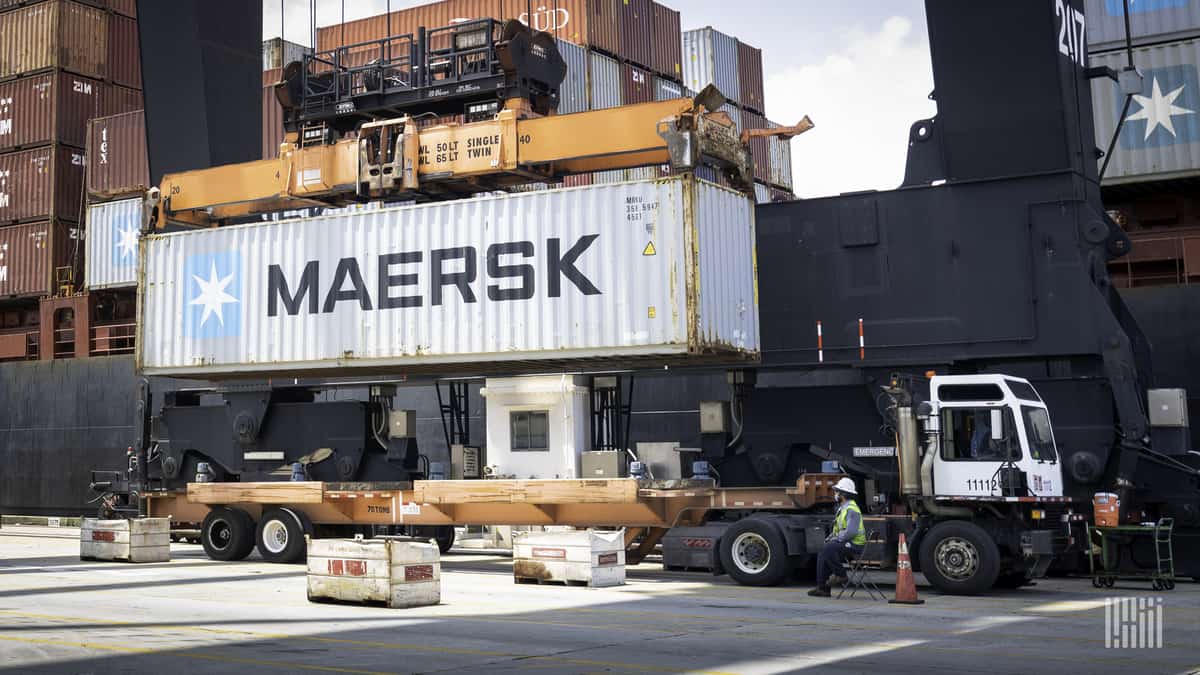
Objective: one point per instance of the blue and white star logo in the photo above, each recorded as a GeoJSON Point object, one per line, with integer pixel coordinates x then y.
{"type": "Point", "coordinates": [211, 287]}
{"type": "Point", "coordinates": [1167, 112]}
{"type": "Point", "coordinates": [125, 245]}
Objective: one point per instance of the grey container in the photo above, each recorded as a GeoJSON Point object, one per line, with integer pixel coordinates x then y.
{"type": "Point", "coordinates": [112, 244]}
{"type": "Point", "coordinates": [710, 56]}
{"type": "Point", "coordinates": [666, 90]}
{"type": "Point", "coordinates": [573, 92]}
{"type": "Point", "coordinates": [1161, 136]}
{"type": "Point", "coordinates": [604, 79]}
{"type": "Point", "coordinates": [1150, 21]}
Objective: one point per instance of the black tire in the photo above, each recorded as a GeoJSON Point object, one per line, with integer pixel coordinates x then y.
{"type": "Point", "coordinates": [227, 534]}
{"type": "Point", "coordinates": [444, 538]}
{"type": "Point", "coordinates": [959, 558]}
{"type": "Point", "coordinates": [753, 553]}
{"type": "Point", "coordinates": [280, 536]}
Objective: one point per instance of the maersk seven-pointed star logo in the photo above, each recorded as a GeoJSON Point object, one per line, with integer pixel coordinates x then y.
{"type": "Point", "coordinates": [1165, 113]}
{"type": "Point", "coordinates": [211, 290]}
{"type": "Point", "coordinates": [125, 245]}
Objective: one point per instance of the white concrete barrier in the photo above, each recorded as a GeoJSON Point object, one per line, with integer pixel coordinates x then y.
{"type": "Point", "coordinates": [582, 557]}
{"type": "Point", "coordinates": [137, 541]}
{"type": "Point", "coordinates": [397, 573]}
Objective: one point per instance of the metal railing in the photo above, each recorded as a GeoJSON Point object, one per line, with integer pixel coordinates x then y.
{"type": "Point", "coordinates": [112, 339]}
{"type": "Point", "coordinates": [1158, 260]}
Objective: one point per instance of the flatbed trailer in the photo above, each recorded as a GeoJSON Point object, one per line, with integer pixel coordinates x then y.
{"type": "Point", "coordinates": [274, 516]}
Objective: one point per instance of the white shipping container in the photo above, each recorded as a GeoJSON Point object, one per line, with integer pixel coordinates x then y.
{"type": "Point", "coordinates": [666, 90]}
{"type": "Point", "coordinates": [711, 57]}
{"type": "Point", "coordinates": [112, 244]}
{"type": "Point", "coordinates": [659, 270]}
{"type": "Point", "coordinates": [762, 194]}
{"type": "Point", "coordinates": [1160, 139]}
{"type": "Point", "coordinates": [1150, 21]}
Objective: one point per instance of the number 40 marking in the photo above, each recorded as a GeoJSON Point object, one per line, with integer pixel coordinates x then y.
{"type": "Point", "coordinates": [1071, 33]}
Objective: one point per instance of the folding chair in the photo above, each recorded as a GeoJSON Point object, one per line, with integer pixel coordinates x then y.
{"type": "Point", "coordinates": [856, 573]}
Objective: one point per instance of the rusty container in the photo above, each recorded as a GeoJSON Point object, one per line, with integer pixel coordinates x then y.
{"type": "Point", "coordinates": [30, 254]}
{"type": "Point", "coordinates": [117, 163]}
{"type": "Point", "coordinates": [40, 184]}
{"type": "Point", "coordinates": [636, 23]}
{"type": "Point", "coordinates": [55, 107]}
{"type": "Point", "coordinates": [124, 7]}
{"type": "Point", "coordinates": [593, 23]}
{"type": "Point", "coordinates": [124, 58]}
{"type": "Point", "coordinates": [54, 34]}
{"type": "Point", "coordinates": [272, 123]}
{"type": "Point", "coordinates": [666, 46]}
{"type": "Point", "coordinates": [637, 85]}
{"type": "Point", "coordinates": [760, 148]}
{"type": "Point", "coordinates": [750, 77]}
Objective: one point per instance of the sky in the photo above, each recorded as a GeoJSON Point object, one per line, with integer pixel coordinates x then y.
{"type": "Point", "coordinates": [859, 68]}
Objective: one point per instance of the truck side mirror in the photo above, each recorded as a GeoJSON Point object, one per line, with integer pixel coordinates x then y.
{"type": "Point", "coordinates": [997, 424]}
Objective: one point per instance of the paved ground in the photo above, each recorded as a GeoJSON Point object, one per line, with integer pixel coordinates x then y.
{"type": "Point", "coordinates": [58, 615]}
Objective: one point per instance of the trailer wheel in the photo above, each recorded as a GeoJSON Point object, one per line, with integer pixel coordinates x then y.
{"type": "Point", "coordinates": [444, 538]}
{"type": "Point", "coordinates": [227, 534]}
{"type": "Point", "coordinates": [280, 536]}
{"type": "Point", "coordinates": [754, 554]}
{"type": "Point", "coordinates": [959, 558]}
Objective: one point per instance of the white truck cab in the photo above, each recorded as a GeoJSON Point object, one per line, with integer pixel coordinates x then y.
{"type": "Point", "coordinates": [990, 438]}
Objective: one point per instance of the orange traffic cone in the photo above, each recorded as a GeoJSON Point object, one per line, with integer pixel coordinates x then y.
{"type": "Point", "coordinates": [906, 587]}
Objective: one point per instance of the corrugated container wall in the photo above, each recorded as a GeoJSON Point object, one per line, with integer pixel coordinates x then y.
{"type": "Point", "coordinates": [604, 79]}
{"type": "Point", "coordinates": [56, 106]}
{"type": "Point", "coordinates": [750, 77]}
{"type": "Point", "coordinates": [124, 7]}
{"type": "Point", "coordinates": [636, 25]}
{"type": "Point", "coordinates": [666, 90]}
{"type": "Point", "coordinates": [760, 148]}
{"type": "Point", "coordinates": [117, 161]}
{"type": "Point", "coordinates": [693, 301]}
{"type": "Point", "coordinates": [781, 160]}
{"type": "Point", "coordinates": [637, 85]}
{"type": "Point", "coordinates": [55, 34]}
{"type": "Point", "coordinates": [112, 244]}
{"type": "Point", "coordinates": [573, 92]}
{"type": "Point", "coordinates": [1150, 21]}
{"type": "Point", "coordinates": [43, 183]}
{"type": "Point", "coordinates": [666, 46]}
{"type": "Point", "coordinates": [711, 57]}
{"type": "Point", "coordinates": [272, 123]}
{"type": "Point", "coordinates": [762, 195]}
{"type": "Point", "coordinates": [124, 57]}
{"type": "Point", "coordinates": [1161, 135]}
{"type": "Point", "coordinates": [30, 253]}
{"type": "Point", "coordinates": [593, 23]}
{"type": "Point", "coordinates": [278, 52]}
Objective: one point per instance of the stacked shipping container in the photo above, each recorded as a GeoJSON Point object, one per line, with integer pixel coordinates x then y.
{"type": "Point", "coordinates": [1149, 184]}
{"type": "Point", "coordinates": [62, 63]}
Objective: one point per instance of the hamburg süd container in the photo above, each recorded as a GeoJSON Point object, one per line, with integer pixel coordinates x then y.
{"type": "Point", "coordinates": [54, 34]}
{"type": "Point", "coordinates": [636, 25]}
{"type": "Point", "coordinates": [112, 230]}
{"type": "Point", "coordinates": [42, 183]}
{"type": "Point", "coordinates": [1150, 21]}
{"type": "Point", "coordinates": [117, 162]}
{"type": "Point", "coordinates": [711, 57]}
{"type": "Point", "coordinates": [592, 23]}
{"type": "Point", "coordinates": [750, 77]}
{"type": "Point", "coordinates": [1161, 135]}
{"type": "Point", "coordinates": [124, 56]}
{"type": "Point", "coordinates": [30, 253]}
{"type": "Point", "coordinates": [666, 49]}
{"type": "Point", "coordinates": [637, 85]}
{"type": "Point", "coordinates": [272, 123]}
{"type": "Point", "coordinates": [52, 107]}
{"type": "Point", "coordinates": [651, 272]}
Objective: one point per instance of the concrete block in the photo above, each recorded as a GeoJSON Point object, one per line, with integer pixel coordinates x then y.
{"type": "Point", "coordinates": [395, 572]}
{"type": "Point", "coordinates": [596, 559]}
{"type": "Point", "coordinates": [138, 541]}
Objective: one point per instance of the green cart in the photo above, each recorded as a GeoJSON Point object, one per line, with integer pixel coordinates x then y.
{"type": "Point", "coordinates": [1107, 543]}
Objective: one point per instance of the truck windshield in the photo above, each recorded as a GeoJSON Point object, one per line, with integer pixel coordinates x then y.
{"type": "Point", "coordinates": [1041, 438]}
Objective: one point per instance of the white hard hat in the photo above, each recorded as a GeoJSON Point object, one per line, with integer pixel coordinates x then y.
{"type": "Point", "coordinates": [846, 485]}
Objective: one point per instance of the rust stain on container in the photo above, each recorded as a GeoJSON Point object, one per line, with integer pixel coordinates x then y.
{"type": "Point", "coordinates": [42, 183]}
{"type": "Point", "coordinates": [750, 77]}
{"type": "Point", "coordinates": [636, 21]}
{"type": "Point", "coordinates": [54, 34]}
{"type": "Point", "coordinates": [56, 107]}
{"type": "Point", "coordinates": [637, 85]}
{"type": "Point", "coordinates": [117, 162]}
{"type": "Point", "coordinates": [594, 23]}
{"type": "Point", "coordinates": [124, 58]}
{"type": "Point", "coordinates": [666, 46]}
{"type": "Point", "coordinates": [30, 253]}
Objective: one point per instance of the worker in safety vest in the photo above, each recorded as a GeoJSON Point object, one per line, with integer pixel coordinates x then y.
{"type": "Point", "coordinates": [849, 536]}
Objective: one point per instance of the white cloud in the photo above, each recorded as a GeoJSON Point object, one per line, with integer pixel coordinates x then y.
{"type": "Point", "coordinates": [863, 99]}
